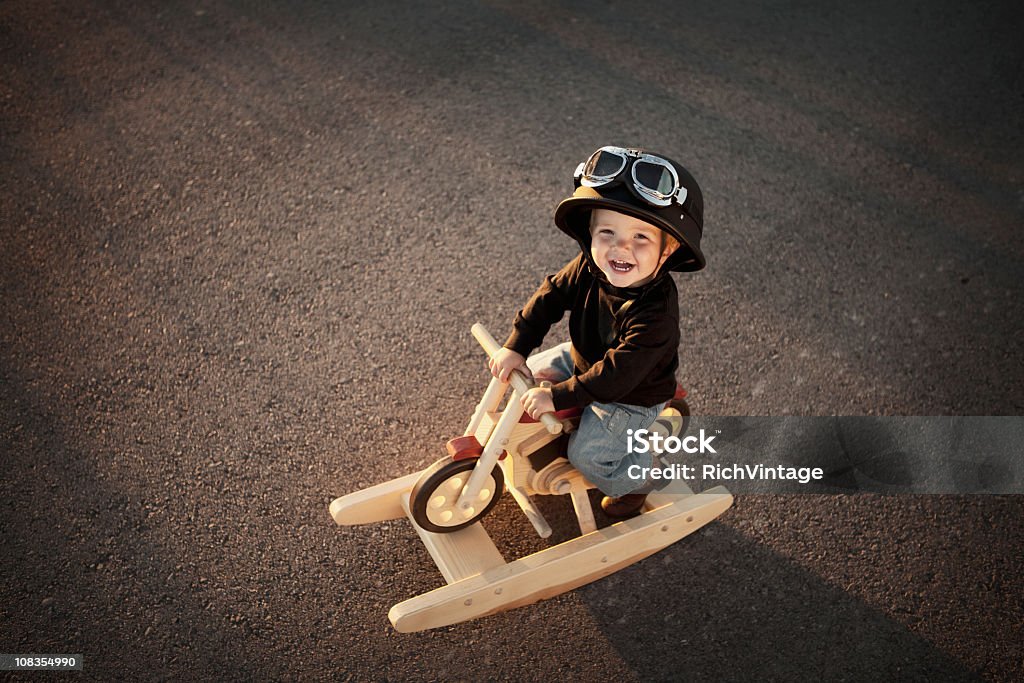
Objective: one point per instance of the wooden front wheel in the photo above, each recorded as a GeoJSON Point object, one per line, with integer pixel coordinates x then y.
{"type": "Point", "coordinates": [434, 496]}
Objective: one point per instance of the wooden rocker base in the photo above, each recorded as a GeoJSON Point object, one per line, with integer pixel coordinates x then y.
{"type": "Point", "coordinates": [480, 582]}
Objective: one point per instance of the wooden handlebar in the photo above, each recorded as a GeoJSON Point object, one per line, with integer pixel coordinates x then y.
{"type": "Point", "coordinates": [518, 380]}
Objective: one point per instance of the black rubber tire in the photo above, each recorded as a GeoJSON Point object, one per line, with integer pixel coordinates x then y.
{"type": "Point", "coordinates": [435, 476]}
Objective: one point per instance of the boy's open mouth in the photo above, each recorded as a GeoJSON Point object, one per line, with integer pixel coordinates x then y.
{"type": "Point", "coordinates": [620, 266]}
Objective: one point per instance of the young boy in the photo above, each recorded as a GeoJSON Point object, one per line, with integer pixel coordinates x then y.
{"type": "Point", "coordinates": [637, 216]}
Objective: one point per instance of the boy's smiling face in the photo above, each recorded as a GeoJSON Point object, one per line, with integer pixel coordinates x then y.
{"type": "Point", "coordinates": [628, 250]}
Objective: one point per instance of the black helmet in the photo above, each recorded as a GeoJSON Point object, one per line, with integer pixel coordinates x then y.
{"type": "Point", "coordinates": [647, 186]}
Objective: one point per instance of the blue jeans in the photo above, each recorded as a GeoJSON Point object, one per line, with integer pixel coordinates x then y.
{"type": "Point", "coordinates": [598, 448]}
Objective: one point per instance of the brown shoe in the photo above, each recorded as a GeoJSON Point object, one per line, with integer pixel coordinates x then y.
{"type": "Point", "coordinates": [623, 506]}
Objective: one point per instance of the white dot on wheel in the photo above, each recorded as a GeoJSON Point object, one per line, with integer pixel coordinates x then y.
{"type": "Point", "coordinates": [437, 501]}
{"type": "Point", "coordinates": [468, 512]}
{"type": "Point", "coordinates": [484, 494]}
{"type": "Point", "coordinates": [446, 516]}
{"type": "Point", "coordinates": [455, 483]}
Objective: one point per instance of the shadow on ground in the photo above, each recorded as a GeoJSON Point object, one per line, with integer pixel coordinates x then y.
{"type": "Point", "coordinates": [795, 624]}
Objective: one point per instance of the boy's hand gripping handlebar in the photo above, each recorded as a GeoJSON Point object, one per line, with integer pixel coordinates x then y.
{"type": "Point", "coordinates": [520, 382]}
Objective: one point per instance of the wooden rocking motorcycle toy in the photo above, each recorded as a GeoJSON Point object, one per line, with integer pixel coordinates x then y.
{"type": "Point", "coordinates": [506, 449]}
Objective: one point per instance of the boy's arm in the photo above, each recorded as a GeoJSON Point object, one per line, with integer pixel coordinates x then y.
{"type": "Point", "coordinates": [647, 341]}
{"type": "Point", "coordinates": [545, 308]}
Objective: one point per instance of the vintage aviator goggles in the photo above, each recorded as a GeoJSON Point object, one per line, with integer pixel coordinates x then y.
{"type": "Point", "coordinates": [655, 180]}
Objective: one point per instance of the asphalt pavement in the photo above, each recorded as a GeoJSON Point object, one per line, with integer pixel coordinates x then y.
{"type": "Point", "coordinates": [242, 245]}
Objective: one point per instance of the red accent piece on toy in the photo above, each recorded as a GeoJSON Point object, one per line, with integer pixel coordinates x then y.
{"type": "Point", "coordinates": [680, 392]}
{"type": "Point", "coordinates": [566, 414]}
{"type": "Point", "coordinates": [465, 447]}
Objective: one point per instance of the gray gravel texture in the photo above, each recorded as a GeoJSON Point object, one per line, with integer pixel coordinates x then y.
{"type": "Point", "coordinates": [243, 243]}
